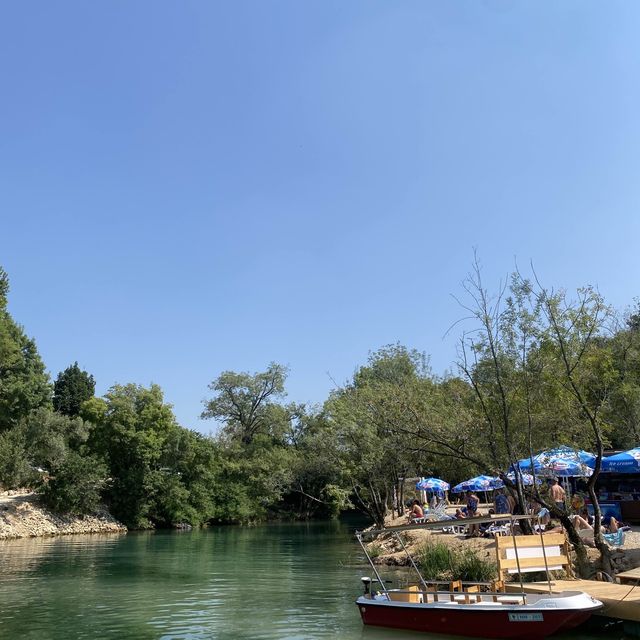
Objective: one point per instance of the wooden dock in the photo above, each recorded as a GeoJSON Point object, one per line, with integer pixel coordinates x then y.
{"type": "Point", "coordinates": [620, 601]}
{"type": "Point", "coordinates": [630, 577]}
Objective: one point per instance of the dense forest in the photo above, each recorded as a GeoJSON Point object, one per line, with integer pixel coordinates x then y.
{"type": "Point", "coordinates": [535, 368]}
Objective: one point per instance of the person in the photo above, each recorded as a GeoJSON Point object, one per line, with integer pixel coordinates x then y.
{"type": "Point", "coordinates": [557, 494]}
{"type": "Point", "coordinates": [472, 511]}
{"type": "Point", "coordinates": [577, 503]}
{"type": "Point", "coordinates": [553, 527]}
{"type": "Point", "coordinates": [416, 510]}
{"type": "Point", "coordinates": [460, 515]}
{"type": "Point", "coordinates": [501, 502]}
{"type": "Point", "coordinates": [472, 504]}
{"type": "Point", "coordinates": [609, 523]}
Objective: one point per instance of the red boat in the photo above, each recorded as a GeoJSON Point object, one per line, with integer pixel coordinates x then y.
{"type": "Point", "coordinates": [480, 610]}
{"type": "Point", "coordinates": [541, 616]}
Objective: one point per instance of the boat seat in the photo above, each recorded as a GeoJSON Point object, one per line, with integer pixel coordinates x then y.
{"type": "Point", "coordinates": [410, 594]}
{"type": "Point", "coordinates": [469, 596]}
{"type": "Point", "coordinates": [510, 599]}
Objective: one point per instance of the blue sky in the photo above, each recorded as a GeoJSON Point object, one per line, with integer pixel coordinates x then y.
{"type": "Point", "coordinates": [192, 187]}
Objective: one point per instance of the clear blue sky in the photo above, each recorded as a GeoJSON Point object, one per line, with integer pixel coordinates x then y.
{"type": "Point", "coordinates": [189, 187]}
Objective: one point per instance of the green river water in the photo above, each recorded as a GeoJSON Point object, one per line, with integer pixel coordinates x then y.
{"type": "Point", "coordinates": [293, 581]}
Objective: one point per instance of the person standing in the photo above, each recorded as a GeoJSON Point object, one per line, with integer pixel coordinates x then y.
{"type": "Point", "coordinates": [472, 511]}
{"type": "Point", "coordinates": [501, 502]}
{"type": "Point", "coordinates": [557, 494]}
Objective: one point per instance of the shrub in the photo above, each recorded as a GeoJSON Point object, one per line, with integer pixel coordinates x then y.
{"type": "Point", "coordinates": [436, 560]}
{"type": "Point", "coordinates": [472, 568]}
{"type": "Point", "coordinates": [76, 485]}
{"type": "Point", "coordinates": [440, 562]}
{"type": "Point", "coordinates": [15, 469]}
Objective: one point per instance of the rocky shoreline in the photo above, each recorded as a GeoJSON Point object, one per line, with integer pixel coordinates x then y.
{"type": "Point", "coordinates": [22, 516]}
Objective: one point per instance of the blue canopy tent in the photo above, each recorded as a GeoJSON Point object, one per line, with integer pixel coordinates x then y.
{"type": "Point", "coordinates": [625, 462]}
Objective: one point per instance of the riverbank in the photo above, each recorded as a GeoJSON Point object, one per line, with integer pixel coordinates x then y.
{"type": "Point", "coordinates": [22, 516]}
{"type": "Point", "coordinates": [388, 551]}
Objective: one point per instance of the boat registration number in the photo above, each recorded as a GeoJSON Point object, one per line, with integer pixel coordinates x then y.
{"type": "Point", "coordinates": [525, 617]}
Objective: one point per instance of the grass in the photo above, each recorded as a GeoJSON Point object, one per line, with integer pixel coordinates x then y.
{"type": "Point", "coordinates": [438, 561]}
{"type": "Point", "coordinates": [374, 550]}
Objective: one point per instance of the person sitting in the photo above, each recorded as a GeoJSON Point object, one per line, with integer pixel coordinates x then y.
{"type": "Point", "coordinates": [416, 511]}
{"type": "Point", "coordinates": [460, 514]}
{"type": "Point", "coordinates": [553, 527]}
{"type": "Point", "coordinates": [609, 523]}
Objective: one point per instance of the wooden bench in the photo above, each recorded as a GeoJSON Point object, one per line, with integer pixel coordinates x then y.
{"type": "Point", "coordinates": [531, 555]}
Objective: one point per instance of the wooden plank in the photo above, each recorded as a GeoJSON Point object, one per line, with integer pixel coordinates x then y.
{"type": "Point", "coordinates": [620, 601]}
{"type": "Point", "coordinates": [550, 540]}
{"type": "Point", "coordinates": [629, 577]}
{"type": "Point", "coordinates": [529, 563]}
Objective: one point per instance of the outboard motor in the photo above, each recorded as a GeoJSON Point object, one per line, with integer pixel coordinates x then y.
{"type": "Point", "coordinates": [366, 583]}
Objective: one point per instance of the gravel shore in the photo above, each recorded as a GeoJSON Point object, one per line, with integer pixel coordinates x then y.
{"type": "Point", "coordinates": [22, 516]}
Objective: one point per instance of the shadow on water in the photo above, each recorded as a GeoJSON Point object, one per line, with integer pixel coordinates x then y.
{"type": "Point", "coordinates": [279, 581]}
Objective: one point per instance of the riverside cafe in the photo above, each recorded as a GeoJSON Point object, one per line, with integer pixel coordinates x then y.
{"type": "Point", "coordinates": [618, 485]}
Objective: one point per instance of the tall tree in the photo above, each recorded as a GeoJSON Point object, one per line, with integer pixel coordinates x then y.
{"type": "Point", "coordinates": [72, 388]}
{"type": "Point", "coordinates": [245, 402]}
{"type": "Point", "coordinates": [24, 384]}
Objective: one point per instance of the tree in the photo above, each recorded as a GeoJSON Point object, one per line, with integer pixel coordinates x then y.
{"type": "Point", "coordinates": [15, 469]}
{"type": "Point", "coordinates": [367, 436]}
{"type": "Point", "coordinates": [134, 435]}
{"type": "Point", "coordinates": [76, 485]}
{"type": "Point", "coordinates": [245, 402]}
{"type": "Point", "coordinates": [541, 376]}
{"type": "Point", "coordinates": [24, 384]}
{"type": "Point", "coordinates": [71, 389]}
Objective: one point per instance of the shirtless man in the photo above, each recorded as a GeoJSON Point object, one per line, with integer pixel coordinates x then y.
{"type": "Point", "coordinates": [557, 494]}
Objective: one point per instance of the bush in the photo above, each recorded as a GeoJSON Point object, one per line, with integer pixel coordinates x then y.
{"type": "Point", "coordinates": [76, 485]}
{"type": "Point", "coordinates": [472, 568]}
{"type": "Point", "coordinates": [15, 468]}
{"type": "Point", "coordinates": [438, 561]}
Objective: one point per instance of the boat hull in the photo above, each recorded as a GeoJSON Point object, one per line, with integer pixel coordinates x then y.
{"type": "Point", "coordinates": [473, 621]}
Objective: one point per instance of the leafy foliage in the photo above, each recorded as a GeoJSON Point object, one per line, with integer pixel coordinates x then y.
{"type": "Point", "coordinates": [71, 389]}
{"type": "Point", "coordinates": [76, 485]}
{"type": "Point", "coordinates": [24, 384]}
{"type": "Point", "coordinates": [439, 561]}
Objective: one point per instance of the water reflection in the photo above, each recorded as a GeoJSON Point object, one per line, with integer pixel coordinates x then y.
{"type": "Point", "coordinates": [279, 582]}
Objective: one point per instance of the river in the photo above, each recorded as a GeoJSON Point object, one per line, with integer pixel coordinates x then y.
{"type": "Point", "coordinates": [272, 582]}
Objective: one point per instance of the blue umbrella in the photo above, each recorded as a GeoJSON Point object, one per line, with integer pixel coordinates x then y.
{"type": "Point", "coordinates": [479, 483]}
{"type": "Point", "coordinates": [527, 478]}
{"type": "Point", "coordinates": [432, 484]}
{"type": "Point", "coordinates": [562, 461]}
{"type": "Point", "coordinates": [625, 462]}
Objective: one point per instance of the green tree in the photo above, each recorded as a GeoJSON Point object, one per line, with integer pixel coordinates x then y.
{"type": "Point", "coordinates": [76, 485]}
{"type": "Point", "coordinates": [51, 436]}
{"type": "Point", "coordinates": [244, 402]}
{"type": "Point", "coordinates": [72, 388]}
{"type": "Point", "coordinates": [133, 436]}
{"type": "Point", "coordinates": [367, 439]}
{"type": "Point", "coordinates": [15, 468]}
{"type": "Point", "coordinates": [24, 384]}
